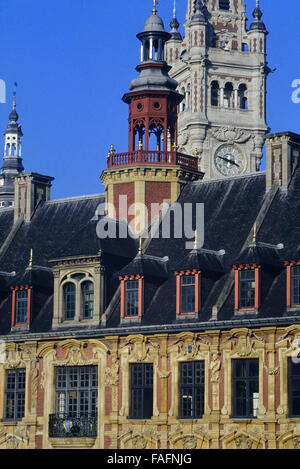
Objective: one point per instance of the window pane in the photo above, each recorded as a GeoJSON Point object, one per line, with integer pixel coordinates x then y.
{"type": "Point", "coordinates": [247, 289]}
{"type": "Point", "coordinates": [15, 394]}
{"type": "Point", "coordinates": [294, 388]}
{"type": "Point", "coordinates": [192, 389]}
{"type": "Point", "coordinates": [21, 306]}
{"type": "Point", "coordinates": [69, 301]}
{"type": "Point", "coordinates": [141, 390]}
{"type": "Point", "coordinates": [87, 293]}
{"type": "Point", "coordinates": [188, 294]}
{"type": "Point", "coordinates": [245, 388]}
{"type": "Point", "coordinates": [132, 298]}
{"type": "Point", "coordinates": [296, 285]}
{"type": "Point", "coordinates": [76, 391]}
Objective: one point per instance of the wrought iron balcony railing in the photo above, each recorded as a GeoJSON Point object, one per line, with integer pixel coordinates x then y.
{"type": "Point", "coordinates": [152, 157]}
{"type": "Point", "coordinates": [64, 426]}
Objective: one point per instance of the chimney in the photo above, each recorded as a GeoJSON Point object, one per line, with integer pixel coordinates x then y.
{"type": "Point", "coordinates": [30, 190]}
{"type": "Point", "coordinates": [283, 156]}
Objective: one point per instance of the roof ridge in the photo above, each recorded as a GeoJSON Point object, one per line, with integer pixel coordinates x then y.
{"type": "Point", "coordinates": [79, 197]}
{"type": "Point", "coordinates": [233, 178]}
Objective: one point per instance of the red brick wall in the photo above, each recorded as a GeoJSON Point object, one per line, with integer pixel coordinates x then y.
{"type": "Point", "coordinates": [127, 188]}
{"type": "Point", "coordinates": [157, 192]}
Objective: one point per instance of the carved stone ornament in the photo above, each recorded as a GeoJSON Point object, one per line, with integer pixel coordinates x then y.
{"type": "Point", "coordinates": [243, 442]}
{"type": "Point", "coordinates": [215, 366]}
{"type": "Point", "coordinates": [231, 135]}
{"type": "Point", "coordinates": [189, 442]}
{"type": "Point", "coordinates": [296, 443]}
{"type": "Point", "coordinates": [139, 442]}
{"type": "Point", "coordinates": [140, 347]}
{"type": "Point", "coordinates": [112, 373]}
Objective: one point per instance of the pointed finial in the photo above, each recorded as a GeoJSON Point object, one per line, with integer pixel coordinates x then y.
{"type": "Point", "coordinates": [196, 240]}
{"type": "Point", "coordinates": [254, 232]}
{"type": "Point", "coordinates": [31, 258]}
{"type": "Point", "coordinates": [140, 246]}
{"type": "Point", "coordinates": [14, 95]}
{"type": "Point", "coordinates": [174, 9]}
{"type": "Point", "coordinates": [154, 10]}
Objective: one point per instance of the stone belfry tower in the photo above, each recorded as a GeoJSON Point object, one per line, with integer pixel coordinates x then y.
{"type": "Point", "coordinates": [152, 171]}
{"type": "Point", "coordinates": [12, 162]}
{"type": "Point", "coordinates": [221, 69]}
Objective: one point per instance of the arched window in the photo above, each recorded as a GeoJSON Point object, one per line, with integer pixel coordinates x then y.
{"type": "Point", "coordinates": [87, 298]}
{"type": "Point", "coordinates": [243, 100]}
{"type": "Point", "coordinates": [228, 95]}
{"type": "Point", "coordinates": [224, 4]}
{"type": "Point", "coordinates": [214, 93]}
{"type": "Point", "coordinates": [245, 47]}
{"type": "Point", "coordinates": [183, 102]}
{"type": "Point", "coordinates": [69, 298]}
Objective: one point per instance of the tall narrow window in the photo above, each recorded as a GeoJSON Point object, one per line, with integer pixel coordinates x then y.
{"type": "Point", "coordinates": [224, 4]}
{"type": "Point", "coordinates": [76, 391]}
{"type": "Point", "coordinates": [21, 306]}
{"type": "Point", "coordinates": [192, 390]}
{"type": "Point", "coordinates": [245, 388]}
{"type": "Point", "coordinates": [296, 285]}
{"type": "Point", "coordinates": [87, 296]}
{"type": "Point", "coordinates": [69, 297]}
{"type": "Point", "coordinates": [228, 95]}
{"type": "Point", "coordinates": [294, 387]}
{"type": "Point", "coordinates": [15, 394]}
{"type": "Point", "coordinates": [243, 101]}
{"type": "Point", "coordinates": [132, 298]}
{"type": "Point", "coordinates": [141, 390]}
{"type": "Point", "coordinates": [214, 93]}
{"type": "Point", "coordinates": [247, 289]}
{"type": "Point", "coordinates": [188, 294]}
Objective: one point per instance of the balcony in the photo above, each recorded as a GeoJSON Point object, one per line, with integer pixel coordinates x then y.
{"type": "Point", "coordinates": [64, 426]}
{"type": "Point", "coordinates": [152, 158]}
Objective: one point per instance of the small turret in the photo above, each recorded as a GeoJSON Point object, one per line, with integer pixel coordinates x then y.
{"type": "Point", "coordinates": [12, 164]}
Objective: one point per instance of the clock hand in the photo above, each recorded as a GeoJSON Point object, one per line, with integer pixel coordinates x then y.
{"type": "Point", "coordinates": [229, 161]}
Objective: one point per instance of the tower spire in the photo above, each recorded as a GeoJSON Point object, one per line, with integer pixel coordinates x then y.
{"type": "Point", "coordinates": [154, 10]}
{"type": "Point", "coordinates": [12, 165]}
{"type": "Point", "coordinates": [174, 25]}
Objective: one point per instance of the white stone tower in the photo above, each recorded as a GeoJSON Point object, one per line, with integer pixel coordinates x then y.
{"type": "Point", "coordinates": [12, 160]}
{"type": "Point", "coordinates": [221, 69]}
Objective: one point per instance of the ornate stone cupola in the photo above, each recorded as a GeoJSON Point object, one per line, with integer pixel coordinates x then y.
{"type": "Point", "coordinates": [152, 171]}
{"type": "Point", "coordinates": [12, 164]}
{"type": "Point", "coordinates": [257, 24]}
{"type": "Point", "coordinates": [174, 25]}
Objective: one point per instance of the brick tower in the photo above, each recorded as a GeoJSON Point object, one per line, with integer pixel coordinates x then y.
{"type": "Point", "coordinates": [152, 171]}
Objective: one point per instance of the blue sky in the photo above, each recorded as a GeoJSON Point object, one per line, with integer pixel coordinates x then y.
{"type": "Point", "coordinates": [73, 61]}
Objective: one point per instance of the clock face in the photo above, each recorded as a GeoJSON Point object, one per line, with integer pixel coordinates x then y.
{"type": "Point", "coordinates": [229, 160]}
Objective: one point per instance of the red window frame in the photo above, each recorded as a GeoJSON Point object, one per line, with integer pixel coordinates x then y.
{"type": "Point", "coordinates": [123, 280]}
{"type": "Point", "coordinates": [29, 290]}
{"type": "Point", "coordinates": [179, 274]}
{"type": "Point", "coordinates": [289, 294]}
{"type": "Point", "coordinates": [257, 299]}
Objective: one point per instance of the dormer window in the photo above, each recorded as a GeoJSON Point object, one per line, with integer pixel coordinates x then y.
{"type": "Point", "coordinates": [87, 297]}
{"type": "Point", "coordinates": [296, 285]}
{"type": "Point", "coordinates": [293, 284]}
{"type": "Point", "coordinates": [21, 306]}
{"type": "Point", "coordinates": [188, 293]}
{"type": "Point", "coordinates": [132, 297]}
{"type": "Point", "coordinates": [69, 299]}
{"type": "Point", "coordinates": [247, 288]}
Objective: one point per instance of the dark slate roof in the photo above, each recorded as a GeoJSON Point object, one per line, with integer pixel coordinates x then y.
{"type": "Point", "coordinates": [34, 276]}
{"type": "Point", "coordinates": [53, 225]}
{"type": "Point", "coordinates": [202, 259]}
{"type": "Point", "coordinates": [6, 223]}
{"type": "Point", "coordinates": [68, 228]}
{"type": "Point", "coordinates": [149, 266]}
{"type": "Point", "coordinates": [262, 254]}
